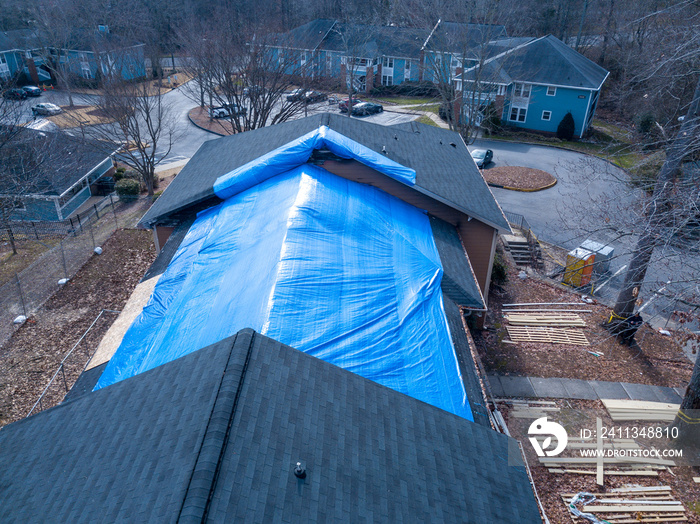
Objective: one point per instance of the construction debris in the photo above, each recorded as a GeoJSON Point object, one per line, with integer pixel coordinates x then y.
{"type": "Point", "coordinates": [547, 334]}
{"type": "Point", "coordinates": [545, 319]}
{"type": "Point", "coordinates": [627, 505]}
{"type": "Point", "coordinates": [627, 410]}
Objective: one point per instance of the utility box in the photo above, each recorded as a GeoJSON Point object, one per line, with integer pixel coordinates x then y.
{"type": "Point", "coordinates": [603, 254]}
{"type": "Point", "coordinates": [579, 267]}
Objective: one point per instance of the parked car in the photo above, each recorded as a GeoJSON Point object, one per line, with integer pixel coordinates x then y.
{"type": "Point", "coordinates": [482, 157]}
{"type": "Point", "coordinates": [46, 108]}
{"type": "Point", "coordinates": [15, 94]}
{"type": "Point", "coordinates": [296, 95]}
{"type": "Point", "coordinates": [32, 90]}
{"type": "Point", "coordinates": [314, 96]}
{"type": "Point", "coordinates": [226, 111]}
{"type": "Point", "coordinates": [343, 104]}
{"type": "Point", "coordinates": [366, 108]}
{"type": "Point", "coordinates": [253, 91]}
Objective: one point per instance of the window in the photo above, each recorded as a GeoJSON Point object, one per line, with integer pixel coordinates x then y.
{"type": "Point", "coordinates": [546, 115]}
{"type": "Point", "coordinates": [388, 61]}
{"type": "Point", "coordinates": [329, 65]}
{"type": "Point", "coordinates": [521, 90]}
{"type": "Point", "coordinates": [501, 90]}
{"type": "Point", "coordinates": [18, 205]}
{"type": "Point", "coordinates": [387, 80]}
{"type": "Point", "coordinates": [303, 58]}
{"type": "Point", "coordinates": [551, 90]}
{"type": "Point", "coordinates": [4, 68]}
{"type": "Point", "coordinates": [407, 69]}
{"type": "Point", "coordinates": [517, 114]}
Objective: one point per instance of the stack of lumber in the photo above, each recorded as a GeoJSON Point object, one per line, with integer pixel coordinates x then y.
{"type": "Point", "coordinates": [539, 325]}
{"type": "Point", "coordinates": [639, 410]}
{"type": "Point", "coordinates": [615, 465]}
{"type": "Point", "coordinates": [530, 409]}
{"type": "Point", "coordinates": [547, 334]}
{"type": "Point", "coordinates": [544, 319]}
{"type": "Point", "coordinates": [633, 505]}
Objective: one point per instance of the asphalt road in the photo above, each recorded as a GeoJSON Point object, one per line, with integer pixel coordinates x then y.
{"type": "Point", "coordinates": [592, 200]}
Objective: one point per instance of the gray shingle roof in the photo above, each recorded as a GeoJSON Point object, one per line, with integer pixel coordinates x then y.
{"type": "Point", "coordinates": [215, 436]}
{"type": "Point", "coordinates": [48, 163]}
{"type": "Point", "coordinates": [455, 37]}
{"type": "Point", "coordinates": [443, 171]}
{"type": "Point", "coordinates": [550, 61]}
{"type": "Point", "coordinates": [308, 36]}
{"type": "Point", "coordinates": [458, 279]}
{"type": "Point", "coordinates": [371, 41]}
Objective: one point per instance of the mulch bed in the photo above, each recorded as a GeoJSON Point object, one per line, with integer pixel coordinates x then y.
{"type": "Point", "coordinates": [200, 117]}
{"type": "Point", "coordinates": [522, 178]}
{"type": "Point", "coordinates": [29, 359]}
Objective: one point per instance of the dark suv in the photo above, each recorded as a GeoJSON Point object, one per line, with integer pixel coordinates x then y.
{"type": "Point", "coordinates": [15, 94]}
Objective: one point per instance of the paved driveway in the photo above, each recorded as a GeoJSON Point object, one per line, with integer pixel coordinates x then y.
{"type": "Point", "coordinates": [592, 195]}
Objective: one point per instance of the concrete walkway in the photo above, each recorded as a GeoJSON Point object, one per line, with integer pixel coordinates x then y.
{"type": "Point", "coordinates": [532, 387]}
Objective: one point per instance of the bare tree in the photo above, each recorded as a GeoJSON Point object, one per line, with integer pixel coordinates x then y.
{"type": "Point", "coordinates": [246, 77]}
{"type": "Point", "coordinates": [142, 119]}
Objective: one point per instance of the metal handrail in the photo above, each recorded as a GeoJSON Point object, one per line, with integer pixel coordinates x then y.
{"type": "Point", "coordinates": [61, 366]}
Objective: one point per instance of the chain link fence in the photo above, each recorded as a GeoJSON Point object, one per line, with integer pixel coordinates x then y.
{"type": "Point", "coordinates": [27, 291]}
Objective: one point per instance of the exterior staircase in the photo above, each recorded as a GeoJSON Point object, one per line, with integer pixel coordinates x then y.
{"type": "Point", "coordinates": [519, 249]}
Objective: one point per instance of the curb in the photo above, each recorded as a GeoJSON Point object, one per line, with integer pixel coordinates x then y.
{"type": "Point", "coordinates": [195, 124]}
{"type": "Point", "coordinates": [524, 190]}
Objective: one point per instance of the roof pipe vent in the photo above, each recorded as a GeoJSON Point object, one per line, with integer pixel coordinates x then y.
{"type": "Point", "coordinates": [384, 149]}
{"type": "Point", "coordinates": [300, 471]}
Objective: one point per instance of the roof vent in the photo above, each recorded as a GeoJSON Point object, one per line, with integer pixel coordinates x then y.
{"type": "Point", "coordinates": [300, 471]}
{"type": "Point", "coordinates": [453, 144]}
{"type": "Point", "coordinates": [396, 137]}
{"type": "Point", "coordinates": [384, 149]}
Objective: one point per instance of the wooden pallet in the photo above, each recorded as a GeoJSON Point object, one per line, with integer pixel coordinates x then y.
{"type": "Point", "coordinates": [544, 319]}
{"type": "Point", "coordinates": [547, 334]}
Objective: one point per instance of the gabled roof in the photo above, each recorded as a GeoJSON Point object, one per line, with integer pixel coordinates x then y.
{"type": "Point", "coordinates": [372, 41]}
{"type": "Point", "coordinates": [550, 61]}
{"type": "Point", "coordinates": [444, 168]}
{"type": "Point", "coordinates": [215, 436]}
{"type": "Point", "coordinates": [454, 37]}
{"type": "Point", "coordinates": [57, 160]}
{"type": "Point", "coordinates": [20, 39]}
{"type": "Point", "coordinates": [308, 36]}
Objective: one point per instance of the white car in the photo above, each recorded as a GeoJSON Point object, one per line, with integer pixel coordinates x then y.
{"type": "Point", "coordinates": [226, 110]}
{"type": "Point", "coordinates": [47, 108]}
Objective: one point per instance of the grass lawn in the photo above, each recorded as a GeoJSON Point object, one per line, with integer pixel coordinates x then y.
{"type": "Point", "coordinates": [426, 120]}
{"type": "Point", "coordinates": [408, 101]}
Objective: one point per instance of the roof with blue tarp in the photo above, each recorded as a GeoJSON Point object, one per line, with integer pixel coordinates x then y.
{"type": "Point", "coordinates": [338, 269]}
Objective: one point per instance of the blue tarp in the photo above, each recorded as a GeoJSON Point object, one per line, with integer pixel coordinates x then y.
{"type": "Point", "coordinates": [298, 152]}
{"type": "Point", "coordinates": [334, 268]}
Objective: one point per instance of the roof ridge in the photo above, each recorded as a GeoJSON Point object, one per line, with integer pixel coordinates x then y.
{"type": "Point", "coordinates": [197, 497]}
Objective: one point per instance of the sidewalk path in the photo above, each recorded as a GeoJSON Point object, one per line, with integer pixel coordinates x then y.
{"type": "Point", "coordinates": [533, 387]}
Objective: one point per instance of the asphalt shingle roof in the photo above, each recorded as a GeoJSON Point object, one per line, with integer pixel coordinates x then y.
{"type": "Point", "coordinates": [443, 165]}
{"type": "Point", "coordinates": [57, 160]}
{"type": "Point", "coordinates": [458, 279]}
{"type": "Point", "coordinates": [215, 436]}
{"type": "Point", "coordinates": [550, 61]}
{"type": "Point", "coordinates": [308, 36]}
{"type": "Point", "coordinates": [457, 37]}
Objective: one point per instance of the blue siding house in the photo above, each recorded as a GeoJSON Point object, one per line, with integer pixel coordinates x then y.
{"type": "Point", "coordinates": [534, 83]}
{"type": "Point", "coordinates": [60, 176]}
{"type": "Point", "coordinates": [28, 57]}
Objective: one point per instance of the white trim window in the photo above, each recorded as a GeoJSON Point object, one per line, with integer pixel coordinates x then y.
{"type": "Point", "coordinates": [4, 68]}
{"type": "Point", "coordinates": [521, 90]}
{"type": "Point", "coordinates": [387, 80]}
{"type": "Point", "coordinates": [501, 90]}
{"type": "Point", "coordinates": [388, 61]}
{"type": "Point", "coordinates": [329, 64]}
{"type": "Point", "coordinates": [546, 115]}
{"type": "Point", "coordinates": [551, 91]}
{"type": "Point", "coordinates": [302, 59]}
{"type": "Point", "coordinates": [518, 114]}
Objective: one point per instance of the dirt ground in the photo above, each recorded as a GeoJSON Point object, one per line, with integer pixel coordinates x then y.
{"type": "Point", "coordinates": [522, 178]}
{"type": "Point", "coordinates": [30, 358]}
{"type": "Point", "coordinates": [550, 486]}
{"type": "Point", "coordinates": [657, 360]}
